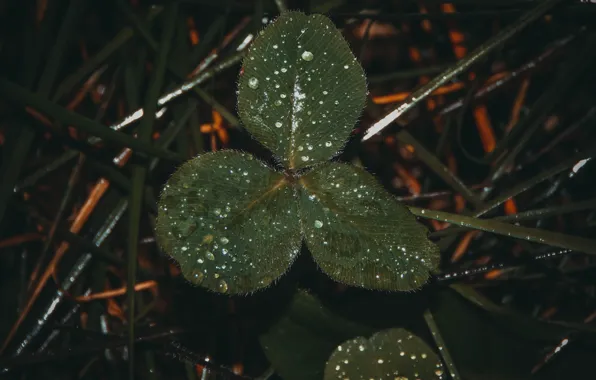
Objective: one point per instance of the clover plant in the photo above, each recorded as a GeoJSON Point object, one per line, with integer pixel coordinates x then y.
{"type": "Point", "coordinates": [236, 225]}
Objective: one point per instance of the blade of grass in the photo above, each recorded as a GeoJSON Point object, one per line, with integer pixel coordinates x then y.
{"type": "Point", "coordinates": [174, 66]}
{"type": "Point", "coordinates": [482, 51]}
{"type": "Point", "coordinates": [20, 95]}
{"type": "Point", "coordinates": [139, 173]}
{"type": "Point", "coordinates": [106, 52]}
{"type": "Point", "coordinates": [529, 234]}
{"type": "Point", "coordinates": [443, 349]}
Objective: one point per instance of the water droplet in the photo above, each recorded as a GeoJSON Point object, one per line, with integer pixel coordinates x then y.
{"type": "Point", "coordinates": [346, 66]}
{"type": "Point", "coordinates": [275, 46]}
{"type": "Point", "coordinates": [265, 281]}
{"type": "Point", "coordinates": [209, 256]}
{"type": "Point", "coordinates": [413, 357]}
{"type": "Point", "coordinates": [361, 348]}
{"type": "Point", "coordinates": [222, 286]}
{"type": "Point", "coordinates": [253, 83]}
{"type": "Point", "coordinates": [318, 224]}
{"type": "Point", "coordinates": [328, 144]}
{"type": "Point", "coordinates": [307, 55]}
{"type": "Point", "coordinates": [283, 96]}
{"type": "Point", "coordinates": [283, 69]}
{"type": "Point", "coordinates": [217, 211]}
{"type": "Point", "coordinates": [380, 361]}
{"type": "Point", "coordinates": [423, 356]}
{"type": "Point", "coordinates": [278, 124]}
{"type": "Point", "coordinates": [197, 276]}
{"type": "Point", "coordinates": [224, 240]}
{"type": "Point", "coordinates": [277, 102]}
{"type": "Point", "coordinates": [305, 158]}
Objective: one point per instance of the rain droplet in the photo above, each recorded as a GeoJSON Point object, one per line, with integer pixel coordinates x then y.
{"type": "Point", "coordinates": [222, 286]}
{"type": "Point", "coordinates": [277, 102]}
{"type": "Point", "coordinates": [278, 124]}
{"type": "Point", "coordinates": [318, 224]}
{"type": "Point", "coordinates": [209, 256]}
{"type": "Point", "coordinates": [275, 46]}
{"type": "Point", "coordinates": [197, 276]}
{"type": "Point", "coordinates": [380, 361]}
{"type": "Point", "coordinates": [253, 83]}
{"type": "Point", "coordinates": [346, 66]}
{"type": "Point", "coordinates": [305, 158]}
{"type": "Point", "coordinates": [217, 211]}
{"type": "Point", "coordinates": [439, 372]}
{"type": "Point", "coordinates": [328, 144]}
{"type": "Point", "coordinates": [224, 240]}
{"type": "Point", "coordinates": [265, 281]}
{"type": "Point", "coordinates": [307, 55]}
{"type": "Point", "coordinates": [283, 69]}
{"type": "Point", "coordinates": [283, 96]}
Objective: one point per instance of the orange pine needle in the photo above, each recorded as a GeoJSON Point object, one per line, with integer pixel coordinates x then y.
{"type": "Point", "coordinates": [487, 135]}
{"type": "Point", "coordinates": [463, 245]}
{"type": "Point", "coordinates": [116, 292]}
{"type": "Point", "coordinates": [494, 274]}
{"type": "Point", "coordinates": [518, 104]}
{"type": "Point", "coordinates": [20, 239]}
{"type": "Point", "coordinates": [411, 182]}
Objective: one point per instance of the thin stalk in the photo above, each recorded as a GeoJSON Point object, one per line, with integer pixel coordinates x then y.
{"type": "Point", "coordinates": [140, 173]}
{"type": "Point", "coordinates": [443, 349]}
{"type": "Point", "coordinates": [481, 52]}
{"type": "Point", "coordinates": [529, 234]}
{"type": "Point", "coordinates": [23, 96]}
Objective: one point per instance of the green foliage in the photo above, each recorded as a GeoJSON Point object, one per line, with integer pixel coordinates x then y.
{"type": "Point", "coordinates": [235, 225]}
{"type": "Point", "coordinates": [393, 353]}
{"type": "Point", "coordinates": [359, 235]}
{"type": "Point", "coordinates": [302, 89]}
{"type": "Point", "coordinates": [230, 221]}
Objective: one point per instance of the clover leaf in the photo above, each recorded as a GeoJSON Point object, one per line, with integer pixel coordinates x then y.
{"type": "Point", "coordinates": [302, 89]}
{"type": "Point", "coordinates": [388, 354]}
{"type": "Point", "coordinates": [235, 225]}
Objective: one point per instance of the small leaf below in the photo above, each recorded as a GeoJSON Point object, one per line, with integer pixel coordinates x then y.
{"type": "Point", "coordinates": [359, 234]}
{"type": "Point", "coordinates": [230, 221]}
{"type": "Point", "coordinates": [302, 89]}
{"type": "Point", "coordinates": [389, 354]}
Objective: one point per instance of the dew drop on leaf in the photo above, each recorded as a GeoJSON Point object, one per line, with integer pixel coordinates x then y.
{"type": "Point", "coordinates": [253, 83]}
{"type": "Point", "coordinates": [222, 286]}
{"type": "Point", "coordinates": [318, 224]}
{"type": "Point", "coordinates": [307, 55]}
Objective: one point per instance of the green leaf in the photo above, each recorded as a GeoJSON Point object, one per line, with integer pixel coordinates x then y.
{"type": "Point", "coordinates": [300, 343]}
{"type": "Point", "coordinates": [229, 221]}
{"type": "Point", "coordinates": [388, 354]}
{"type": "Point", "coordinates": [359, 234]}
{"type": "Point", "coordinates": [301, 90]}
